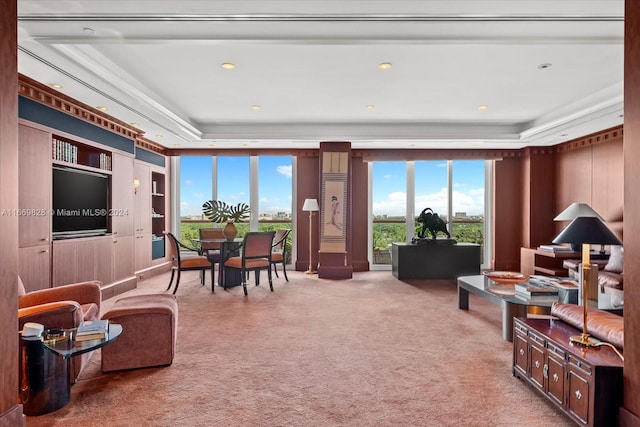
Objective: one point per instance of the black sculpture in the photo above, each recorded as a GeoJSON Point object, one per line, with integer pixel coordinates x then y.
{"type": "Point", "coordinates": [433, 223]}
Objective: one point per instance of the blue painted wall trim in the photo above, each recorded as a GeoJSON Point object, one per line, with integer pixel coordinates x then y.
{"type": "Point", "coordinates": [40, 113]}
{"type": "Point", "coordinates": [150, 157]}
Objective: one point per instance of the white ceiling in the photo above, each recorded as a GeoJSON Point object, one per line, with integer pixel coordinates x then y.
{"type": "Point", "coordinates": [312, 66]}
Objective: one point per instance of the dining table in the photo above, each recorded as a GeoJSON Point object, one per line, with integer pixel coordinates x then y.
{"type": "Point", "coordinates": [227, 277]}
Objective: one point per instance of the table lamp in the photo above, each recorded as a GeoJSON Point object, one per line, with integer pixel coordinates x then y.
{"type": "Point", "coordinates": [311, 206]}
{"type": "Point", "coordinates": [586, 230]}
{"type": "Point", "coordinates": [574, 211]}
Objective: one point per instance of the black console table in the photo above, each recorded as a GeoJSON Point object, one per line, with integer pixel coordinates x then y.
{"type": "Point", "coordinates": [435, 261]}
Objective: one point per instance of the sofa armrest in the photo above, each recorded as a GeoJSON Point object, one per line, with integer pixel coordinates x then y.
{"type": "Point", "coordinates": [59, 314]}
{"type": "Point", "coordinates": [83, 293]}
{"type": "Point", "coordinates": [601, 324]}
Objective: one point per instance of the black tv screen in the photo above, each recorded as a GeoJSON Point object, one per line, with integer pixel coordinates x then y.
{"type": "Point", "coordinates": [80, 203]}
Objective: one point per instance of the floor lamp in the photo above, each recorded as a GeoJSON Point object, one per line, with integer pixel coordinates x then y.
{"type": "Point", "coordinates": [311, 206]}
{"type": "Point", "coordinates": [585, 230]}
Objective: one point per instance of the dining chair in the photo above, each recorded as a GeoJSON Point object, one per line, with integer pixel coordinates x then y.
{"type": "Point", "coordinates": [210, 249]}
{"type": "Point", "coordinates": [279, 251]}
{"type": "Point", "coordinates": [255, 256]}
{"type": "Point", "coordinates": [181, 262]}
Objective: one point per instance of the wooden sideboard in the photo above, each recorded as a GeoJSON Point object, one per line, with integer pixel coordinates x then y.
{"type": "Point", "coordinates": [585, 383]}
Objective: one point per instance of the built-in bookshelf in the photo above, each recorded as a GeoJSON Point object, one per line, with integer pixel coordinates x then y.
{"type": "Point", "coordinates": [66, 151]}
{"type": "Point", "coordinates": [158, 204]}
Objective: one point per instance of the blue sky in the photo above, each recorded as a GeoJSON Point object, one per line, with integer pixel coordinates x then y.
{"type": "Point", "coordinates": [275, 185]}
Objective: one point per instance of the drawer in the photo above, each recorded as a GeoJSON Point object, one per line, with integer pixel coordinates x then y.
{"type": "Point", "coordinates": [556, 350]}
{"type": "Point", "coordinates": [583, 366]}
{"type": "Point", "coordinates": [538, 339]}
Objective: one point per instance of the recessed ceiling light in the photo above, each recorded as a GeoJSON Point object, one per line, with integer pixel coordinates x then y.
{"type": "Point", "coordinates": [56, 85]}
{"type": "Point", "coordinates": [102, 108]}
{"type": "Point", "coordinates": [370, 107]}
{"type": "Point", "coordinates": [483, 107]}
{"type": "Point", "coordinates": [384, 65]}
{"type": "Point", "coordinates": [89, 30]}
{"type": "Point", "coordinates": [159, 136]}
{"type": "Point", "coordinates": [255, 107]}
{"type": "Point", "coordinates": [228, 65]}
{"type": "Point", "coordinates": [564, 134]}
{"type": "Point", "coordinates": [543, 66]}
{"type": "Point", "coordinates": [135, 124]}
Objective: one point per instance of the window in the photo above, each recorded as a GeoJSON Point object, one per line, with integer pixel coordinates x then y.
{"type": "Point", "coordinates": [455, 190]}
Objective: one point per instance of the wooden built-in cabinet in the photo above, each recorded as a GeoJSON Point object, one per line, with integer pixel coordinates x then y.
{"type": "Point", "coordinates": [142, 218]}
{"type": "Point", "coordinates": [585, 383]}
{"type": "Point", "coordinates": [136, 212]}
{"type": "Point", "coordinates": [34, 202]}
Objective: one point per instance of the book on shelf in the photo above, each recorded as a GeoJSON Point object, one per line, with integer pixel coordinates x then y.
{"type": "Point", "coordinates": [555, 248]}
{"type": "Point", "coordinates": [92, 330]}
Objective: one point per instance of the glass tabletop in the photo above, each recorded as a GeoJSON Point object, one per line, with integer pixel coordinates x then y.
{"type": "Point", "coordinates": [63, 342]}
{"type": "Point", "coordinates": [505, 292]}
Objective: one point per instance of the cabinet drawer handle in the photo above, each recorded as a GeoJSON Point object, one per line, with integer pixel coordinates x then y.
{"type": "Point", "coordinates": [578, 394]}
{"type": "Point", "coordinates": [522, 352]}
{"type": "Point", "coordinates": [545, 370]}
{"type": "Point", "coordinates": [555, 377]}
{"type": "Point", "coordinates": [537, 363]}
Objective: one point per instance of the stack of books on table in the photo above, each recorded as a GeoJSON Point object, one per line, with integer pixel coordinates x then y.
{"type": "Point", "coordinates": [537, 292]}
{"type": "Point", "coordinates": [92, 330]}
{"type": "Point", "coordinates": [555, 248]}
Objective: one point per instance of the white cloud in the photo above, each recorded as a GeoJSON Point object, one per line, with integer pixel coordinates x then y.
{"type": "Point", "coordinates": [188, 182]}
{"type": "Point", "coordinates": [284, 170]}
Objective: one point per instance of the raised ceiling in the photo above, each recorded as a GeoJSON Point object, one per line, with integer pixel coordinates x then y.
{"type": "Point", "coordinates": [547, 71]}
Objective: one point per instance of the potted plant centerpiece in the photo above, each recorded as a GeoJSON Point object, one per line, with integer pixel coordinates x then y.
{"type": "Point", "coordinates": [222, 212]}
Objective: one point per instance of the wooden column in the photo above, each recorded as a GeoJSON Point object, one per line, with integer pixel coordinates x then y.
{"type": "Point", "coordinates": [10, 410]}
{"type": "Point", "coordinates": [307, 187]}
{"type": "Point", "coordinates": [630, 412]}
{"type": "Point", "coordinates": [335, 211]}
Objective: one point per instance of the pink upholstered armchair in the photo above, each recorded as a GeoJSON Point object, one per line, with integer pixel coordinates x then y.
{"type": "Point", "coordinates": [61, 307]}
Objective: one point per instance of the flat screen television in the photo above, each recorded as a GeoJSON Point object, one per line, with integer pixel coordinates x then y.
{"type": "Point", "coordinates": [80, 203]}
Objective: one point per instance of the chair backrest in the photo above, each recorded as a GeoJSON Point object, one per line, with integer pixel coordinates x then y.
{"type": "Point", "coordinates": [210, 233]}
{"type": "Point", "coordinates": [280, 240]}
{"type": "Point", "coordinates": [175, 247]}
{"type": "Point", "coordinates": [257, 244]}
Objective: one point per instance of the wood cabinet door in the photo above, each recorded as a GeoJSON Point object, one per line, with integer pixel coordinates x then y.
{"type": "Point", "coordinates": [520, 356]}
{"type": "Point", "coordinates": [142, 199]}
{"type": "Point", "coordinates": [578, 396]}
{"type": "Point", "coordinates": [537, 373]}
{"type": "Point", "coordinates": [122, 195]}
{"type": "Point", "coordinates": [123, 257]}
{"type": "Point", "coordinates": [143, 250]}
{"type": "Point", "coordinates": [64, 262]}
{"type": "Point", "coordinates": [103, 259]}
{"type": "Point", "coordinates": [34, 267]}
{"type": "Point", "coordinates": [34, 186]}
{"type": "Point", "coordinates": [555, 380]}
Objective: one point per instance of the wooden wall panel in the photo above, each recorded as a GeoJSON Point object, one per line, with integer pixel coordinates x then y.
{"type": "Point", "coordinates": [607, 183]}
{"type": "Point", "coordinates": [307, 187]}
{"type": "Point", "coordinates": [359, 213]}
{"type": "Point", "coordinates": [542, 184]}
{"type": "Point", "coordinates": [508, 211]}
{"type": "Point", "coordinates": [631, 149]}
{"type": "Point", "coordinates": [573, 181]}
{"type": "Point", "coordinates": [10, 411]}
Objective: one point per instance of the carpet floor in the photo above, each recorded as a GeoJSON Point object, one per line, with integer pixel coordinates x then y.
{"type": "Point", "coordinates": [371, 351]}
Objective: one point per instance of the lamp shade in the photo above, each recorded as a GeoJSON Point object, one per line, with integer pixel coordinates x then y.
{"type": "Point", "coordinates": [587, 229]}
{"type": "Point", "coordinates": [310, 205]}
{"type": "Point", "coordinates": [575, 210]}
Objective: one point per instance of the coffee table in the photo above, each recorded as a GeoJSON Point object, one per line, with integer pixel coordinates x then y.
{"type": "Point", "coordinates": [502, 295]}
{"type": "Point", "coordinates": [45, 364]}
